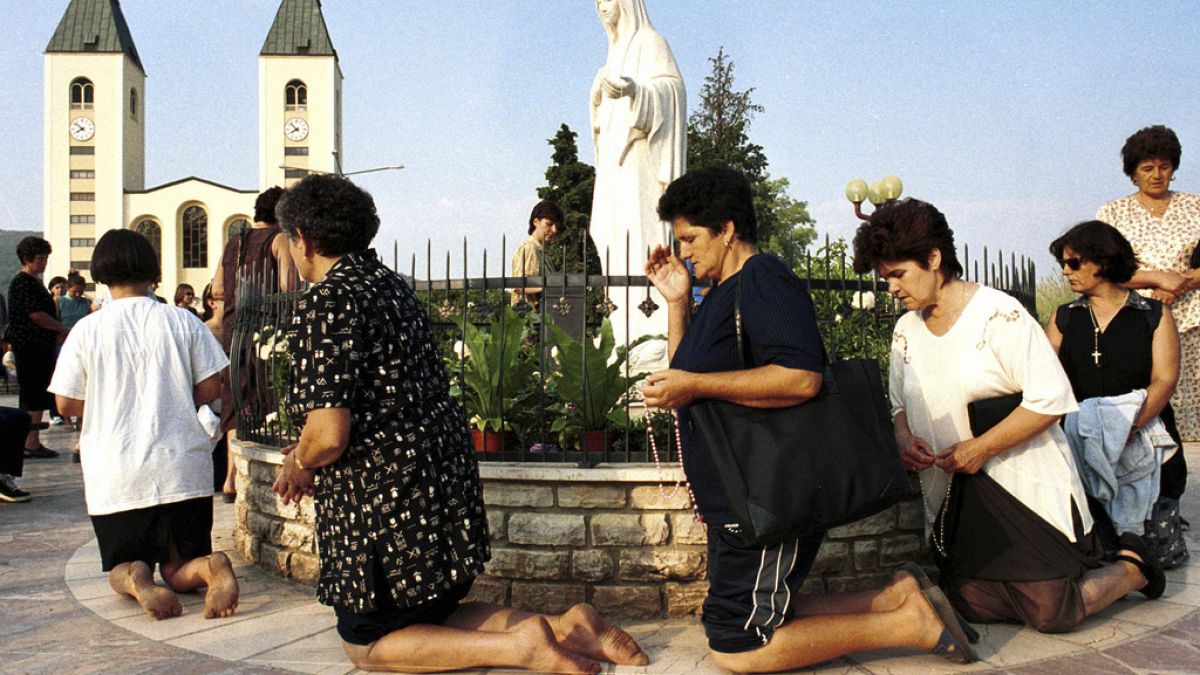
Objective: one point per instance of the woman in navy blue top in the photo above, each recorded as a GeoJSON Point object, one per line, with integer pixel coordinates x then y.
{"type": "Point", "coordinates": [754, 616]}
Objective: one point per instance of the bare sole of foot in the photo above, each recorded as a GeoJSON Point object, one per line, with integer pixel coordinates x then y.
{"type": "Point", "coordinates": [546, 655]}
{"type": "Point", "coordinates": [221, 599]}
{"type": "Point", "coordinates": [161, 603]}
{"type": "Point", "coordinates": [584, 632]}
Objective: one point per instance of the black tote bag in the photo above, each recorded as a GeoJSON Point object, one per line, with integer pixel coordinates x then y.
{"type": "Point", "coordinates": [804, 469]}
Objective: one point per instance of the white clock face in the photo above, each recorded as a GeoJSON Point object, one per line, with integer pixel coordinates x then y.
{"type": "Point", "coordinates": [295, 129]}
{"type": "Point", "coordinates": [82, 128]}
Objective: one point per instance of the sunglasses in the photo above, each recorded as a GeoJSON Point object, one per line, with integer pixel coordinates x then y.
{"type": "Point", "coordinates": [1073, 263]}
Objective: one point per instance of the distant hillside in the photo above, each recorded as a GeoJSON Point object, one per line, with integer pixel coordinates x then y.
{"type": "Point", "coordinates": [9, 265]}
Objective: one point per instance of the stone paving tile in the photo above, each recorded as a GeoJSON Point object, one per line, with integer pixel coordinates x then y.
{"type": "Point", "coordinates": [1087, 662]}
{"type": "Point", "coordinates": [1159, 654]}
{"type": "Point", "coordinates": [320, 654]}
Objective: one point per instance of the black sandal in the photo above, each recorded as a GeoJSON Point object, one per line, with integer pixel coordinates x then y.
{"type": "Point", "coordinates": [1156, 580]}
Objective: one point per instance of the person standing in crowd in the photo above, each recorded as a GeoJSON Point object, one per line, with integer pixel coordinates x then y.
{"type": "Point", "coordinates": [34, 333]}
{"type": "Point", "coordinates": [257, 248]}
{"type": "Point", "coordinates": [1163, 226]}
{"type": "Point", "coordinates": [72, 305]}
{"type": "Point", "coordinates": [755, 617]}
{"type": "Point", "coordinates": [529, 260]}
{"type": "Point", "coordinates": [185, 297]}
{"type": "Point", "coordinates": [146, 463]}
{"type": "Point", "coordinates": [381, 435]}
{"type": "Point", "coordinates": [1112, 342]}
{"type": "Point", "coordinates": [14, 426]}
{"type": "Point", "coordinates": [1014, 543]}
{"type": "Point", "coordinates": [58, 288]}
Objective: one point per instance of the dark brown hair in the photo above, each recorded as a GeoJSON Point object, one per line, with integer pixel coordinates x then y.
{"type": "Point", "coordinates": [907, 229]}
{"type": "Point", "coordinates": [1155, 142]}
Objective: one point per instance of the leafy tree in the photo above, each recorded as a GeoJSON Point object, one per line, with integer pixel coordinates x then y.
{"type": "Point", "coordinates": [569, 184]}
{"type": "Point", "coordinates": [717, 134]}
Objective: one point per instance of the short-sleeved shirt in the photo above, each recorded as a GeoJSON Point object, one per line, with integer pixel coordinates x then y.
{"type": "Point", "coordinates": [26, 295]}
{"type": "Point", "coordinates": [406, 491]}
{"type": "Point", "coordinates": [994, 348]}
{"type": "Point", "coordinates": [529, 260]}
{"type": "Point", "coordinates": [135, 366]}
{"type": "Point", "coordinates": [71, 310]}
{"type": "Point", "coordinates": [779, 326]}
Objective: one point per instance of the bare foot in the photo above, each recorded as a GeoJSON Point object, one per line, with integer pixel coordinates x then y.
{"type": "Point", "coordinates": [896, 592]}
{"type": "Point", "coordinates": [582, 631]}
{"type": "Point", "coordinates": [159, 601]}
{"type": "Point", "coordinates": [221, 599]}
{"type": "Point", "coordinates": [543, 653]}
{"type": "Point", "coordinates": [922, 618]}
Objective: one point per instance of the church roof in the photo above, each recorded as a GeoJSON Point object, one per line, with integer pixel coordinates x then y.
{"type": "Point", "coordinates": [299, 30]}
{"type": "Point", "coordinates": [94, 26]}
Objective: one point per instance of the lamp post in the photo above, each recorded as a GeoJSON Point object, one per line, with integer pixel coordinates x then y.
{"type": "Point", "coordinates": [879, 192]}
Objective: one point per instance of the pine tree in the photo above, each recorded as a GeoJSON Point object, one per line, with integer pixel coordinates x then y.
{"type": "Point", "coordinates": [569, 184]}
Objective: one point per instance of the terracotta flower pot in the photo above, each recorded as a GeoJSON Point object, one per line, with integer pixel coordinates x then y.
{"type": "Point", "coordinates": [598, 441]}
{"type": "Point", "coordinates": [487, 440]}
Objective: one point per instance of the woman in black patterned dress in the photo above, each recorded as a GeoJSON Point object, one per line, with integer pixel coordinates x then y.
{"type": "Point", "coordinates": [385, 452]}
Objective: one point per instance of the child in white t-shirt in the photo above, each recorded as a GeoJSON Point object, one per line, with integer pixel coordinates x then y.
{"type": "Point", "coordinates": [141, 368]}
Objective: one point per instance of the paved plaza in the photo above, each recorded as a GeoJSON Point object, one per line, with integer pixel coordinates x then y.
{"type": "Point", "coordinates": [60, 616]}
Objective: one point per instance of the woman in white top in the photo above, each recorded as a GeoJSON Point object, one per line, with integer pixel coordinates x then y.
{"type": "Point", "coordinates": [1015, 542]}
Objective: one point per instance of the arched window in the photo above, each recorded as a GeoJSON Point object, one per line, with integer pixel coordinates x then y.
{"type": "Point", "coordinates": [133, 103]}
{"type": "Point", "coordinates": [82, 94]}
{"type": "Point", "coordinates": [296, 95]}
{"type": "Point", "coordinates": [236, 228]}
{"type": "Point", "coordinates": [152, 231]}
{"type": "Point", "coordinates": [195, 237]}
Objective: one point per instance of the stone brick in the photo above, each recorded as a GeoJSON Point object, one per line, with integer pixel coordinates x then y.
{"type": "Point", "coordinates": [685, 599]}
{"type": "Point", "coordinates": [663, 563]}
{"type": "Point", "coordinates": [861, 582]}
{"type": "Point", "coordinates": [263, 500]}
{"type": "Point", "coordinates": [812, 586]}
{"type": "Point", "coordinates": [304, 567]}
{"type": "Point", "coordinates": [306, 511]}
{"type": "Point", "coordinates": [899, 548]}
{"type": "Point", "coordinates": [267, 528]}
{"type": "Point", "coordinates": [686, 530]}
{"type": "Point", "coordinates": [263, 473]}
{"type": "Point", "coordinates": [591, 565]}
{"type": "Point", "coordinates": [516, 494]}
{"type": "Point", "coordinates": [866, 555]}
{"type": "Point", "coordinates": [624, 529]}
{"type": "Point", "coordinates": [912, 515]}
{"type": "Point", "coordinates": [246, 545]}
{"type": "Point", "coordinates": [274, 558]}
{"type": "Point", "coordinates": [547, 598]}
{"type": "Point", "coordinates": [241, 464]}
{"type": "Point", "coordinates": [522, 564]}
{"type": "Point", "coordinates": [628, 602]}
{"type": "Point", "coordinates": [547, 529]}
{"type": "Point", "coordinates": [656, 497]}
{"type": "Point", "coordinates": [834, 556]}
{"type": "Point", "coordinates": [496, 529]}
{"type": "Point", "coordinates": [298, 536]}
{"type": "Point", "coordinates": [489, 589]}
{"type": "Point", "coordinates": [591, 497]}
{"type": "Point", "coordinates": [241, 512]}
{"type": "Point", "coordinates": [884, 521]}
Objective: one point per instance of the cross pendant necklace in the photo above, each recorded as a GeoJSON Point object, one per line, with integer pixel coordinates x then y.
{"type": "Point", "coordinates": [1095, 336]}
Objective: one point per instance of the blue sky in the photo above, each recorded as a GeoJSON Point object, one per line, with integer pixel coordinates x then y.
{"type": "Point", "coordinates": [1009, 116]}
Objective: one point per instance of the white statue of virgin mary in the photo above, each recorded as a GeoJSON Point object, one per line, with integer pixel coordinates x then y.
{"type": "Point", "coordinates": [639, 127]}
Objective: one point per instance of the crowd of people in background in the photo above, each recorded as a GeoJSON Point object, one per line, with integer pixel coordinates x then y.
{"type": "Point", "coordinates": [1066, 502]}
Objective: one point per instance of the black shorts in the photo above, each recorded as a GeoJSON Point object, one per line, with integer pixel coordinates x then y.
{"type": "Point", "coordinates": [364, 629]}
{"type": "Point", "coordinates": [751, 588]}
{"type": "Point", "coordinates": [145, 534]}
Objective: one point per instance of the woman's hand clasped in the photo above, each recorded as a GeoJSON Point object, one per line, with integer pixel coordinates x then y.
{"type": "Point", "coordinates": [669, 275]}
{"type": "Point", "coordinates": [916, 454]}
{"type": "Point", "coordinates": [963, 457]}
{"type": "Point", "coordinates": [670, 389]}
{"type": "Point", "coordinates": [293, 483]}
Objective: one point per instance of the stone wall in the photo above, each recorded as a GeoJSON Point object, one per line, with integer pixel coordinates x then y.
{"type": "Point", "coordinates": [609, 535]}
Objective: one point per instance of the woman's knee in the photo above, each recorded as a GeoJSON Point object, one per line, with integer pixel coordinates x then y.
{"type": "Point", "coordinates": [359, 655]}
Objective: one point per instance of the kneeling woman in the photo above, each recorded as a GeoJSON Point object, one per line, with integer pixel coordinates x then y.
{"type": "Point", "coordinates": [400, 519]}
{"type": "Point", "coordinates": [1011, 531]}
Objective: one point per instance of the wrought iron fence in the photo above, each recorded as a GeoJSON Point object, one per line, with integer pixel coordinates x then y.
{"type": "Point", "coordinates": [522, 367]}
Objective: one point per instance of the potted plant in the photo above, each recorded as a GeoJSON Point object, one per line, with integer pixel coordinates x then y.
{"type": "Point", "coordinates": [592, 386]}
{"type": "Point", "coordinates": [494, 371]}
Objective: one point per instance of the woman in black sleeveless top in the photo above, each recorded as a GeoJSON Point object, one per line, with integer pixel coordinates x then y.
{"type": "Point", "coordinates": [1111, 340]}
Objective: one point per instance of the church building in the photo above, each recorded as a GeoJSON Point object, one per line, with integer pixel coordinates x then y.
{"type": "Point", "coordinates": [95, 108]}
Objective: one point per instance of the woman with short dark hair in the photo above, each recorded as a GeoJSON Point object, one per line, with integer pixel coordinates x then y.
{"type": "Point", "coordinates": [1006, 509]}
{"type": "Point", "coordinates": [1111, 342]}
{"type": "Point", "coordinates": [385, 452]}
{"type": "Point", "coordinates": [755, 617]}
{"type": "Point", "coordinates": [34, 333]}
{"type": "Point", "coordinates": [1163, 227]}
